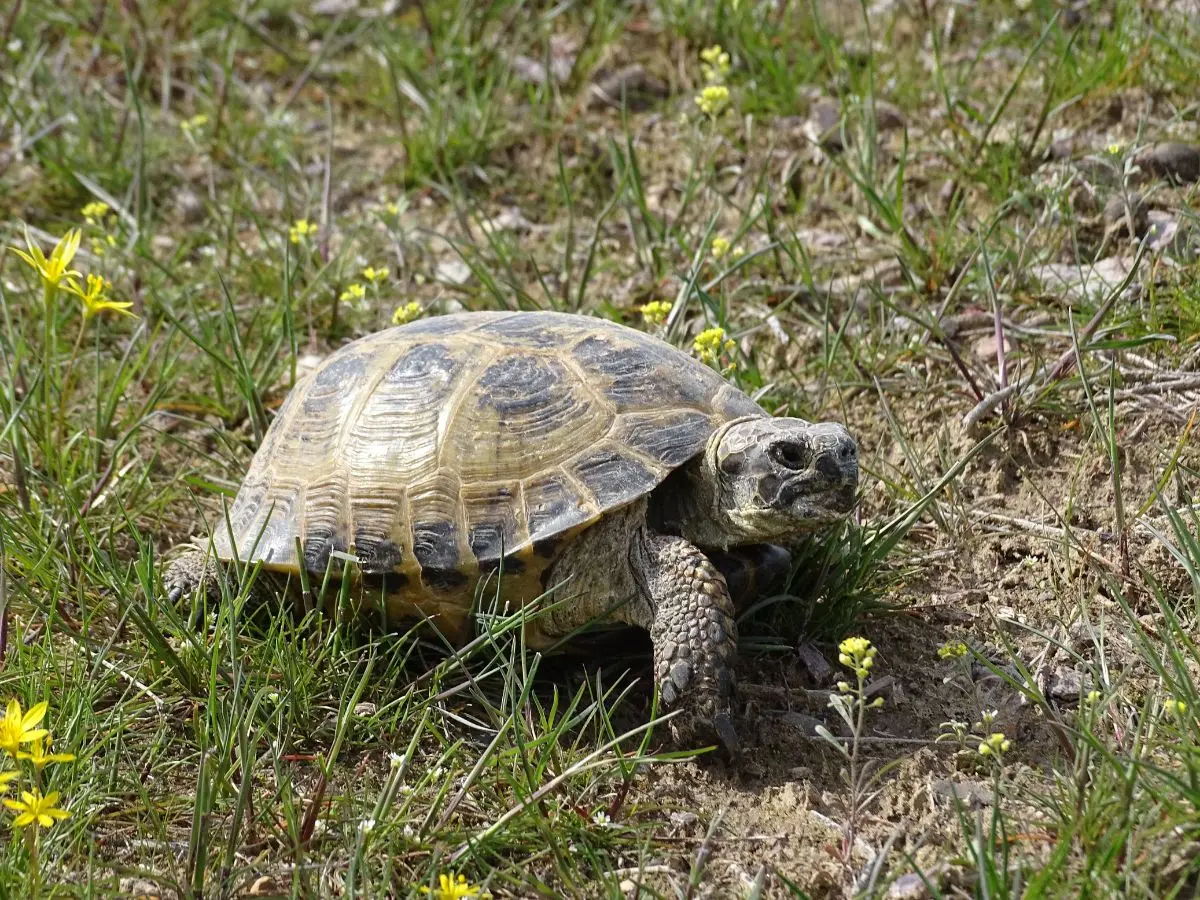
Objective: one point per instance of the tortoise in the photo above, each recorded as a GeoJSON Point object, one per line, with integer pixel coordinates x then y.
{"type": "Point", "coordinates": [552, 451]}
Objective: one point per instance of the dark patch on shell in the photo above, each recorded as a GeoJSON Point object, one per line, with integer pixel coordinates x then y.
{"type": "Point", "coordinates": [435, 545]}
{"type": "Point", "coordinates": [490, 541]}
{"type": "Point", "coordinates": [530, 330]}
{"type": "Point", "coordinates": [340, 371]}
{"type": "Point", "coordinates": [432, 325]}
{"type": "Point", "coordinates": [642, 379]}
{"type": "Point", "coordinates": [377, 557]}
{"type": "Point", "coordinates": [422, 361]}
{"type": "Point", "coordinates": [672, 441]}
{"type": "Point", "coordinates": [518, 385]}
{"type": "Point", "coordinates": [317, 549]}
{"type": "Point", "coordinates": [552, 508]}
{"type": "Point", "coordinates": [613, 478]}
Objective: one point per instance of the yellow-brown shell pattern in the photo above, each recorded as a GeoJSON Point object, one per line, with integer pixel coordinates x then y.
{"type": "Point", "coordinates": [433, 451]}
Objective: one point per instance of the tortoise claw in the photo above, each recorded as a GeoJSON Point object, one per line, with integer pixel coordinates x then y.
{"type": "Point", "coordinates": [723, 725]}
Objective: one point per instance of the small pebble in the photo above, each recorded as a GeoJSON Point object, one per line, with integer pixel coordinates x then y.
{"type": "Point", "coordinates": [1123, 209]}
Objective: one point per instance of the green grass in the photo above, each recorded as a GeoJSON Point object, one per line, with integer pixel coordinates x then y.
{"type": "Point", "coordinates": [224, 743]}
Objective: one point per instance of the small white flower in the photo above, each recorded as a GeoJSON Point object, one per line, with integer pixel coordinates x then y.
{"type": "Point", "coordinates": [405, 789]}
{"type": "Point", "coordinates": [366, 825]}
{"type": "Point", "coordinates": [408, 832]}
{"type": "Point", "coordinates": [395, 760]}
{"type": "Point", "coordinates": [601, 818]}
{"type": "Point", "coordinates": [437, 772]}
{"type": "Point", "coordinates": [273, 696]}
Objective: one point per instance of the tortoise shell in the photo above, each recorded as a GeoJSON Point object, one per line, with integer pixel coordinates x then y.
{"type": "Point", "coordinates": [442, 450]}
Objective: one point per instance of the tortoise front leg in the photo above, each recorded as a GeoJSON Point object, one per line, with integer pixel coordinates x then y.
{"type": "Point", "coordinates": [695, 639]}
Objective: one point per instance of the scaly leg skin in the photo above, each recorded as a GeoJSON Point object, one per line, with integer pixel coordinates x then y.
{"type": "Point", "coordinates": [189, 571]}
{"type": "Point", "coordinates": [695, 640]}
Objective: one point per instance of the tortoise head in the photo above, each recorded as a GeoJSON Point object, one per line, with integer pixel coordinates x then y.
{"type": "Point", "coordinates": [776, 477]}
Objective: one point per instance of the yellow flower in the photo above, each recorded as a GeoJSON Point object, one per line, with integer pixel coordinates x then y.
{"type": "Point", "coordinates": [394, 209]}
{"type": "Point", "coordinates": [17, 728]}
{"type": "Point", "coordinates": [722, 246]}
{"type": "Point", "coordinates": [39, 753]}
{"type": "Point", "coordinates": [375, 275]}
{"type": "Point", "coordinates": [952, 650]}
{"type": "Point", "coordinates": [1177, 708]}
{"type": "Point", "coordinates": [100, 247]}
{"type": "Point", "coordinates": [95, 211]}
{"type": "Point", "coordinates": [94, 299]}
{"type": "Point", "coordinates": [995, 744]}
{"type": "Point", "coordinates": [197, 121]}
{"type": "Point", "coordinates": [713, 100]}
{"type": "Point", "coordinates": [1114, 149]}
{"type": "Point", "coordinates": [54, 269]}
{"type": "Point", "coordinates": [710, 344]}
{"type": "Point", "coordinates": [857, 653]}
{"type": "Point", "coordinates": [6, 778]}
{"type": "Point", "coordinates": [354, 292]}
{"type": "Point", "coordinates": [34, 809]}
{"type": "Point", "coordinates": [715, 64]}
{"type": "Point", "coordinates": [452, 888]}
{"type": "Point", "coordinates": [302, 230]}
{"type": "Point", "coordinates": [407, 313]}
{"type": "Point", "coordinates": [656, 311]}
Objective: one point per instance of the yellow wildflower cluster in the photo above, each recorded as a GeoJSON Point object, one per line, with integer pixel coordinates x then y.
{"type": "Point", "coordinates": [195, 123]}
{"type": "Point", "coordinates": [714, 96]}
{"type": "Point", "coordinates": [711, 344]}
{"type": "Point", "coordinates": [302, 230]}
{"type": "Point", "coordinates": [56, 274]}
{"type": "Point", "coordinates": [713, 99]}
{"type": "Point", "coordinates": [655, 312]}
{"type": "Point", "coordinates": [714, 64]}
{"type": "Point", "coordinates": [98, 216]}
{"type": "Point", "coordinates": [452, 887]}
{"type": "Point", "coordinates": [721, 247]}
{"type": "Point", "coordinates": [1175, 707]}
{"type": "Point", "coordinates": [994, 745]}
{"type": "Point", "coordinates": [353, 293]}
{"type": "Point", "coordinates": [952, 650]}
{"type": "Point", "coordinates": [95, 212]}
{"type": "Point", "coordinates": [406, 313]}
{"type": "Point", "coordinates": [22, 740]}
{"type": "Point", "coordinates": [374, 275]}
{"type": "Point", "coordinates": [857, 653]}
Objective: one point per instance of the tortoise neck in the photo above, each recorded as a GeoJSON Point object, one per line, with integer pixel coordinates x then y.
{"type": "Point", "coordinates": [687, 505]}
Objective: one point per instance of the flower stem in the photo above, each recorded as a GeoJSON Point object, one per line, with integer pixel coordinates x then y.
{"type": "Point", "coordinates": [31, 844]}
{"type": "Point", "coordinates": [68, 377]}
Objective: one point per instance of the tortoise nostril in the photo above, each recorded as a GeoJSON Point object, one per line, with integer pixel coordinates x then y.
{"type": "Point", "coordinates": [829, 465]}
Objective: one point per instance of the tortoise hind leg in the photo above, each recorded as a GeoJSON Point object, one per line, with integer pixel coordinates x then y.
{"type": "Point", "coordinates": [192, 570]}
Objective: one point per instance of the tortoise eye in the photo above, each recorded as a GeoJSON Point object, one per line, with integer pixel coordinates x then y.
{"type": "Point", "coordinates": [789, 454]}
